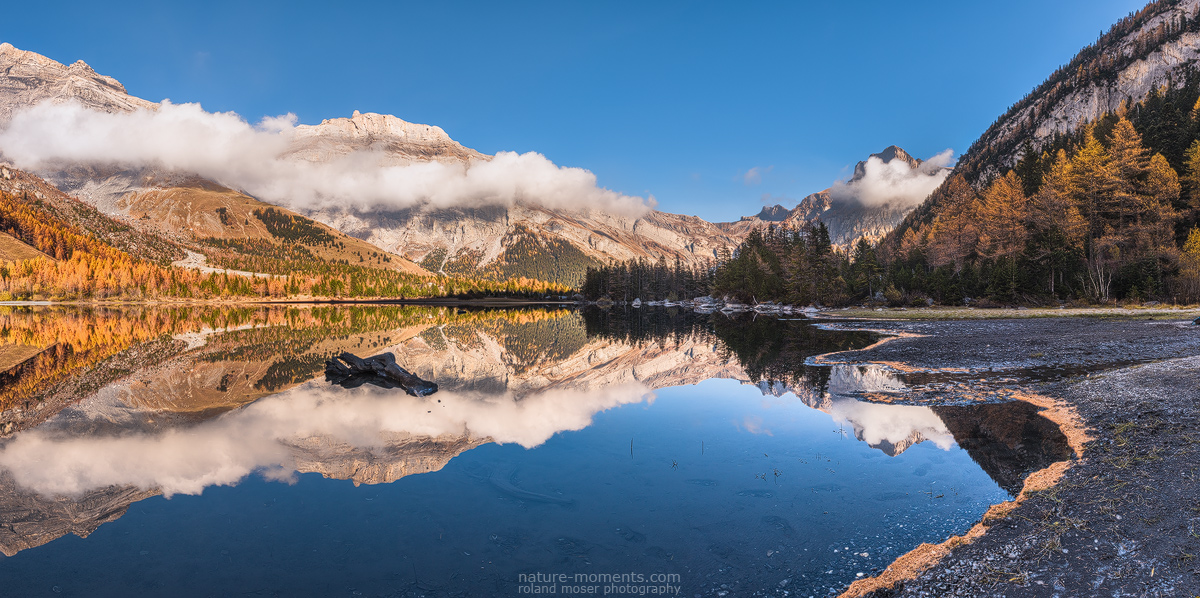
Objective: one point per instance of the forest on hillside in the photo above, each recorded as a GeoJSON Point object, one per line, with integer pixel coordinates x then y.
{"type": "Point", "coordinates": [79, 266]}
{"type": "Point", "coordinates": [1129, 40]}
{"type": "Point", "coordinates": [1108, 213]}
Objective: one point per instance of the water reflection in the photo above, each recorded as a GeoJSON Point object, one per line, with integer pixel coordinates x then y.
{"type": "Point", "coordinates": [181, 400]}
{"type": "Point", "coordinates": [308, 428]}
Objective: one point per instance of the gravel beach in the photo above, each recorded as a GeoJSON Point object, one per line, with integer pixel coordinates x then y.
{"type": "Point", "coordinates": [1124, 520]}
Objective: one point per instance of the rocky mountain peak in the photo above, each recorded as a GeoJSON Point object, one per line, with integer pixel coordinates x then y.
{"type": "Point", "coordinates": [400, 140]}
{"type": "Point", "coordinates": [893, 152]}
{"type": "Point", "coordinates": [847, 220]}
{"type": "Point", "coordinates": [30, 78]}
{"type": "Point", "coordinates": [889, 153]}
{"type": "Point", "coordinates": [374, 127]}
{"type": "Point", "coordinates": [82, 67]}
{"type": "Point", "coordinates": [775, 213]}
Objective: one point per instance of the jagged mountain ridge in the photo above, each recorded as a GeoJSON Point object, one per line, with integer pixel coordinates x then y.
{"type": "Point", "coordinates": [29, 78]}
{"type": "Point", "coordinates": [524, 239]}
{"type": "Point", "coordinates": [491, 240]}
{"type": "Point", "coordinates": [848, 220]}
{"type": "Point", "coordinates": [398, 142]}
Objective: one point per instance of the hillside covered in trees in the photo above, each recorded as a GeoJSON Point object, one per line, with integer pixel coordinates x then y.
{"type": "Point", "coordinates": [1110, 212]}
{"type": "Point", "coordinates": [78, 265]}
{"type": "Point", "coordinates": [1042, 208]}
{"type": "Point", "coordinates": [1104, 216]}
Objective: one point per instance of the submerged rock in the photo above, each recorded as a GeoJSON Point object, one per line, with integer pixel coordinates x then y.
{"type": "Point", "coordinates": [351, 371]}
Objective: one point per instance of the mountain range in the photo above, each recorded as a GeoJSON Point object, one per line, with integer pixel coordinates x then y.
{"type": "Point", "coordinates": [534, 239]}
{"type": "Point", "coordinates": [847, 217]}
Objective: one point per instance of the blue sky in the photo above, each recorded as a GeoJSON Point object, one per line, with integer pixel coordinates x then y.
{"type": "Point", "coordinates": [674, 100]}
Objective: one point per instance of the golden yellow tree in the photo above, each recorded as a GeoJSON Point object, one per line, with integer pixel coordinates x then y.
{"type": "Point", "coordinates": [1128, 166]}
{"type": "Point", "coordinates": [1058, 229]}
{"type": "Point", "coordinates": [1002, 214]}
{"type": "Point", "coordinates": [954, 234]}
{"type": "Point", "coordinates": [1154, 221]}
{"type": "Point", "coordinates": [1189, 267]}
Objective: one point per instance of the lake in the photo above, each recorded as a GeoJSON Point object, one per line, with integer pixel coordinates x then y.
{"type": "Point", "coordinates": [199, 451]}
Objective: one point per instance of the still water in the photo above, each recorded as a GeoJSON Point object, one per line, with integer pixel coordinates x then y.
{"type": "Point", "coordinates": [200, 452]}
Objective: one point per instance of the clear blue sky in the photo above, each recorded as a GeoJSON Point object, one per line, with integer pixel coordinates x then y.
{"type": "Point", "coordinates": [677, 100]}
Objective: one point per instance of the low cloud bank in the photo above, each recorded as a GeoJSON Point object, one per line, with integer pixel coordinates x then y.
{"type": "Point", "coordinates": [225, 148]}
{"type": "Point", "coordinates": [894, 182]}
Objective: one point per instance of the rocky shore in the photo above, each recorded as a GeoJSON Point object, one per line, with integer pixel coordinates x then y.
{"type": "Point", "coordinates": [1124, 519]}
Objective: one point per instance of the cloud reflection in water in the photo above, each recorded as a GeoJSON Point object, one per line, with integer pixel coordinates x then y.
{"type": "Point", "coordinates": [256, 438]}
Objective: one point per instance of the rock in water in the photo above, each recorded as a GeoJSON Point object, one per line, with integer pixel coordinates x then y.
{"type": "Point", "coordinates": [1196, 321]}
{"type": "Point", "coordinates": [351, 371]}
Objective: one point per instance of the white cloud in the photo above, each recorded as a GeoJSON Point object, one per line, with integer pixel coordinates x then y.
{"type": "Point", "coordinates": [895, 182]}
{"type": "Point", "coordinates": [754, 176]}
{"type": "Point", "coordinates": [224, 147]}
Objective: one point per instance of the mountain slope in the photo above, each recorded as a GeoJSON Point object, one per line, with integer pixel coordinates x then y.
{"type": "Point", "coordinates": [13, 249]}
{"type": "Point", "coordinates": [1152, 51]}
{"type": "Point", "coordinates": [48, 199]}
{"type": "Point", "coordinates": [1153, 47]}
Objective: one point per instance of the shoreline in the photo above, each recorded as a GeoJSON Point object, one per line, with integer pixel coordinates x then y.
{"type": "Point", "coordinates": [1122, 516]}
{"type": "Point", "coordinates": [972, 313]}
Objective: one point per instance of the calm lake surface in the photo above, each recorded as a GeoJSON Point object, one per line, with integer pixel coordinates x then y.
{"type": "Point", "coordinates": [200, 452]}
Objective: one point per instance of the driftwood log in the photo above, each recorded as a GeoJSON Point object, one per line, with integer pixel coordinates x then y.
{"type": "Point", "coordinates": [351, 371]}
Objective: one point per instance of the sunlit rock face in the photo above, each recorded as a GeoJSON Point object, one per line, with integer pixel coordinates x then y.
{"type": "Point", "coordinates": [394, 141]}
{"type": "Point", "coordinates": [30, 78]}
{"type": "Point", "coordinates": [1041, 118]}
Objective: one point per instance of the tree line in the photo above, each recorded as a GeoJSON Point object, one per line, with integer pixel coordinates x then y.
{"type": "Point", "coordinates": [647, 280]}
{"type": "Point", "coordinates": [1099, 215]}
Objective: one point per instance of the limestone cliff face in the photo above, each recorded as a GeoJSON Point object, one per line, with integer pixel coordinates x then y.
{"type": "Point", "coordinates": [1048, 111]}
{"type": "Point", "coordinates": [29, 78]}
{"type": "Point", "coordinates": [461, 239]}
{"type": "Point", "coordinates": [397, 142]}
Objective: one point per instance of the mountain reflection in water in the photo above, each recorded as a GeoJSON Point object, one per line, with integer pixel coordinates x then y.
{"type": "Point", "coordinates": [104, 408]}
